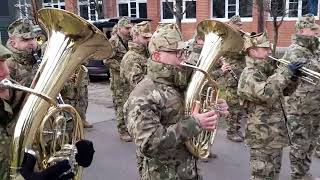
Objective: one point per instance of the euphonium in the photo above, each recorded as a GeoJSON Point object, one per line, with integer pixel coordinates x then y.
{"type": "Point", "coordinates": [71, 40]}
{"type": "Point", "coordinates": [219, 40]}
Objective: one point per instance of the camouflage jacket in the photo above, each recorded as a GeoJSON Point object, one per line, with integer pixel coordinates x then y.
{"type": "Point", "coordinates": [262, 94]}
{"type": "Point", "coordinates": [119, 49]}
{"type": "Point", "coordinates": [306, 98]}
{"type": "Point", "coordinates": [134, 65]}
{"type": "Point", "coordinates": [8, 110]}
{"type": "Point", "coordinates": [156, 121]}
{"type": "Point", "coordinates": [22, 66]}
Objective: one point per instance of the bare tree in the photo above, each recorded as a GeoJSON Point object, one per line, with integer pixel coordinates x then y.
{"type": "Point", "coordinates": [277, 11]}
{"type": "Point", "coordinates": [260, 6]}
{"type": "Point", "coordinates": [177, 11]}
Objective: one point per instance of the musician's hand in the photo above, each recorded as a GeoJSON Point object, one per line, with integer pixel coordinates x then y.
{"type": "Point", "coordinates": [208, 120]}
{"type": "Point", "coordinates": [295, 67]}
{"type": "Point", "coordinates": [225, 67]}
{"type": "Point", "coordinates": [4, 94]}
{"type": "Point", "coordinates": [73, 77]}
{"type": "Point", "coordinates": [222, 107]}
{"type": "Point", "coordinates": [58, 171]}
{"type": "Point", "coordinates": [85, 153]}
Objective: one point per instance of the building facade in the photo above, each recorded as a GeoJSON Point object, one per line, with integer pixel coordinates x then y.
{"type": "Point", "coordinates": [195, 11]}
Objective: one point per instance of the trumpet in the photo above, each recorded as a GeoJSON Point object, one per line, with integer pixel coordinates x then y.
{"type": "Point", "coordinates": [308, 75]}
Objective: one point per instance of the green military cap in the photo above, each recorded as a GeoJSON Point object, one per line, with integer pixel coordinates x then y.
{"type": "Point", "coordinates": [306, 21]}
{"type": "Point", "coordinates": [21, 28]}
{"type": "Point", "coordinates": [167, 38]}
{"type": "Point", "coordinates": [4, 53]}
{"type": "Point", "coordinates": [124, 22]}
{"type": "Point", "coordinates": [258, 40]}
{"type": "Point", "coordinates": [236, 19]}
{"type": "Point", "coordinates": [143, 28]}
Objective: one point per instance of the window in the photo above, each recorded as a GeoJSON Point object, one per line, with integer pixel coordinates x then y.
{"type": "Point", "coordinates": [54, 3]}
{"type": "Point", "coordinates": [23, 8]}
{"type": "Point", "coordinates": [90, 9]}
{"type": "Point", "coordinates": [188, 7]}
{"type": "Point", "coordinates": [133, 8]}
{"type": "Point", "coordinates": [228, 8]}
{"type": "Point", "coordinates": [4, 10]}
{"type": "Point", "coordinates": [294, 8]}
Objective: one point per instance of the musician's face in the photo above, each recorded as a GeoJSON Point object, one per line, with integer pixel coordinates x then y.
{"type": "Point", "coordinates": [22, 44]}
{"type": "Point", "coordinates": [124, 31]}
{"type": "Point", "coordinates": [4, 70]}
{"type": "Point", "coordinates": [259, 52]}
{"type": "Point", "coordinates": [169, 57]}
{"type": "Point", "coordinates": [309, 32]}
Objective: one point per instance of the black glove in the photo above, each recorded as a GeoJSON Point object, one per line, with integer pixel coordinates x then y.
{"type": "Point", "coordinates": [55, 172]}
{"type": "Point", "coordinates": [85, 153]}
{"type": "Point", "coordinates": [294, 67]}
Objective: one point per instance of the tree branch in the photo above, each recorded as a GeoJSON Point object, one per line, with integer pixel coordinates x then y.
{"type": "Point", "coordinates": [171, 9]}
{"type": "Point", "coordinates": [187, 7]}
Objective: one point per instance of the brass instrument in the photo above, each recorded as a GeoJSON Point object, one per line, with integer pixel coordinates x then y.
{"type": "Point", "coordinates": [71, 40]}
{"type": "Point", "coordinates": [308, 75]}
{"type": "Point", "coordinates": [219, 39]}
{"type": "Point", "coordinates": [80, 73]}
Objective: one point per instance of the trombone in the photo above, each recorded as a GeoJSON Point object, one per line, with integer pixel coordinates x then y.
{"type": "Point", "coordinates": [308, 75]}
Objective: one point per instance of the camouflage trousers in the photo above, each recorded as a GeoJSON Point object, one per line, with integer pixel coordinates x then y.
{"type": "Point", "coordinates": [80, 102]}
{"type": "Point", "coordinates": [5, 141]}
{"type": "Point", "coordinates": [265, 163]}
{"type": "Point", "coordinates": [117, 89]}
{"type": "Point", "coordinates": [304, 134]}
{"type": "Point", "coordinates": [318, 147]}
{"type": "Point", "coordinates": [151, 171]}
{"type": "Point", "coordinates": [236, 112]}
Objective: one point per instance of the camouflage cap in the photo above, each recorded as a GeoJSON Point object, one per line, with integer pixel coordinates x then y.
{"type": "Point", "coordinates": [167, 38]}
{"type": "Point", "coordinates": [142, 29]}
{"type": "Point", "coordinates": [236, 19]}
{"type": "Point", "coordinates": [259, 40]}
{"type": "Point", "coordinates": [21, 28]}
{"type": "Point", "coordinates": [306, 21]}
{"type": "Point", "coordinates": [161, 24]}
{"type": "Point", "coordinates": [124, 22]}
{"type": "Point", "coordinates": [4, 53]}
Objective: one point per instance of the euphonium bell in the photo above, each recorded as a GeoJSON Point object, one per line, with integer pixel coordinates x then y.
{"type": "Point", "coordinates": [219, 40]}
{"type": "Point", "coordinates": [40, 126]}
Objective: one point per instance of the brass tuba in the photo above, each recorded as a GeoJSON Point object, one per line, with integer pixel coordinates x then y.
{"type": "Point", "coordinates": [71, 40]}
{"type": "Point", "coordinates": [220, 39]}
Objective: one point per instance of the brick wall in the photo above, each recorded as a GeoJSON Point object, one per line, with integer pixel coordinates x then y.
{"type": "Point", "coordinates": [72, 6]}
{"type": "Point", "coordinates": [204, 12]}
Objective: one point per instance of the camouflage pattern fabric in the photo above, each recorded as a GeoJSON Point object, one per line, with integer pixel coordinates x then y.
{"type": "Point", "coordinates": [77, 94]}
{"type": "Point", "coordinates": [4, 53]}
{"type": "Point", "coordinates": [266, 127]}
{"type": "Point", "coordinates": [307, 21]}
{"type": "Point", "coordinates": [120, 48]}
{"type": "Point", "coordinates": [133, 67]}
{"type": "Point", "coordinates": [236, 19]}
{"type": "Point", "coordinates": [22, 66]}
{"type": "Point", "coordinates": [8, 110]}
{"type": "Point", "coordinates": [265, 163]}
{"type": "Point", "coordinates": [22, 28]}
{"type": "Point", "coordinates": [317, 151]}
{"type": "Point", "coordinates": [303, 107]}
{"type": "Point", "coordinates": [156, 121]}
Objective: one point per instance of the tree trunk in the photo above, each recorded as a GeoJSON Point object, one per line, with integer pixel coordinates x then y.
{"type": "Point", "coordinates": [260, 4]}
{"type": "Point", "coordinates": [35, 6]}
{"type": "Point", "coordinates": [178, 13]}
{"type": "Point", "coordinates": [275, 36]}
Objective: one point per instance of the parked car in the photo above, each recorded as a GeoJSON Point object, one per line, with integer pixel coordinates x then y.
{"type": "Point", "coordinates": [96, 68]}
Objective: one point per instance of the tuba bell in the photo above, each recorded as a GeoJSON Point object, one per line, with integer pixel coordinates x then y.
{"type": "Point", "coordinates": [220, 39]}
{"type": "Point", "coordinates": [71, 40]}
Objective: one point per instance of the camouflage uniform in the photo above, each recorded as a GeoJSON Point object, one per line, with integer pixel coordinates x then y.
{"type": "Point", "coordinates": [134, 63]}
{"type": "Point", "coordinates": [76, 93]}
{"type": "Point", "coordinates": [120, 47]}
{"type": "Point", "coordinates": [134, 67]}
{"type": "Point", "coordinates": [303, 105]}
{"type": "Point", "coordinates": [22, 64]}
{"type": "Point", "coordinates": [8, 108]}
{"type": "Point", "coordinates": [266, 132]}
{"type": "Point", "coordinates": [156, 120]}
